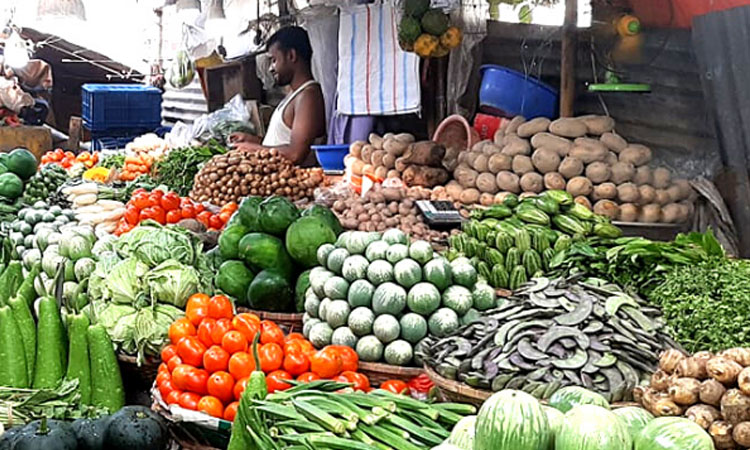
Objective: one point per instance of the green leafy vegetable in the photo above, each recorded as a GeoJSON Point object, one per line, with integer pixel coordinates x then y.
{"type": "Point", "coordinates": [178, 169]}
{"type": "Point", "coordinates": [173, 283]}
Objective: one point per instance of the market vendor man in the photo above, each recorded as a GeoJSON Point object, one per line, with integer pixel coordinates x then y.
{"type": "Point", "coordinates": [299, 120]}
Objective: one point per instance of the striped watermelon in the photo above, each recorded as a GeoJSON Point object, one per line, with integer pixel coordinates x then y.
{"type": "Point", "coordinates": [566, 398]}
{"type": "Point", "coordinates": [673, 433]}
{"type": "Point", "coordinates": [591, 427]}
{"type": "Point", "coordinates": [512, 420]}
{"type": "Point", "coordinates": [634, 418]}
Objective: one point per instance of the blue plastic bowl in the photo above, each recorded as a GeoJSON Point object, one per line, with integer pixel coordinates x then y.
{"type": "Point", "coordinates": [510, 93]}
{"type": "Point", "coordinates": [331, 157]}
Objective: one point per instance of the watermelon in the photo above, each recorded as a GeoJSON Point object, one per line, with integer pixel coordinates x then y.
{"type": "Point", "coordinates": [634, 418]}
{"type": "Point", "coordinates": [464, 274]}
{"type": "Point", "coordinates": [389, 298]}
{"type": "Point", "coordinates": [395, 236]}
{"type": "Point", "coordinates": [360, 321]}
{"type": "Point", "coordinates": [566, 398]}
{"type": "Point", "coordinates": [396, 253]}
{"type": "Point", "coordinates": [413, 327]}
{"type": "Point", "coordinates": [591, 427]}
{"type": "Point", "coordinates": [360, 293]}
{"type": "Point", "coordinates": [512, 420]}
{"type": "Point", "coordinates": [378, 272]}
{"type": "Point", "coordinates": [318, 278]}
{"type": "Point", "coordinates": [458, 298]}
{"type": "Point", "coordinates": [323, 308]}
{"type": "Point", "coordinates": [369, 349]}
{"type": "Point", "coordinates": [471, 315]}
{"type": "Point", "coordinates": [376, 250]}
{"type": "Point", "coordinates": [354, 268]}
{"type": "Point", "coordinates": [483, 297]}
{"type": "Point", "coordinates": [398, 353]}
{"type": "Point", "coordinates": [336, 288]}
{"type": "Point", "coordinates": [386, 328]}
{"type": "Point", "coordinates": [312, 303]}
{"type": "Point", "coordinates": [443, 322]}
{"type": "Point", "coordinates": [462, 435]}
{"type": "Point", "coordinates": [420, 251]}
{"type": "Point", "coordinates": [320, 335]}
{"type": "Point", "coordinates": [344, 336]}
{"type": "Point", "coordinates": [336, 260]}
{"type": "Point", "coordinates": [438, 272]}
{"type": "Point", "coordinates": [323, 252]}
{"type": "Point", "coordinates": [307, 326]}
{"type": "Point", "coordinates": [673, 433]}
{"type": "Point", "coordinates": [555, 419]}
{"type": "Point", "coordinates": [337, 312]}
{"type": "Point", "coordinates": [407, 273]}
{"type": "Point", "coordinates": [423, 298]}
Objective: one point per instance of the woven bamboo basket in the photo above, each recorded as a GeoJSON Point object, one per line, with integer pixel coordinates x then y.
{"type": "Point", "coordinates": [378, 373]}
{"type": "Point", "coordinates": [291, 322]}
{"type": "Point", "coordinates": [188, 435]}
{"type": "Point", "coordinates": [144, 373]}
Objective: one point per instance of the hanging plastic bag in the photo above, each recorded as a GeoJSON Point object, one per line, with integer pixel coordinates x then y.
{"type": "Point", "coordinates": [182, 70]}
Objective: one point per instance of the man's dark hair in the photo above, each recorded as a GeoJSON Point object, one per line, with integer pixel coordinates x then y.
{"type": "Point", "coordinates": [293, 38]}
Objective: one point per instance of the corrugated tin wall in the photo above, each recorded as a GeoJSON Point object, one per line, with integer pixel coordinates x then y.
{"type": "Point", "coordinates": [672, 119]}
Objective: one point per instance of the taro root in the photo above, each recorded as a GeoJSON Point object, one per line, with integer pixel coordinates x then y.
{"type": "Point", "coordinates": [638, 392]}
{"type": "Point", "coordinates": [660, 380]}
{"type": "Point", "coordinates": [659, 403]}
{"type": "Point", "coordinates": [669, 359]}
{"type": "Point", "coordinates": [741, 434]}
{"type": "Point", "coordinates": [711, 392]}
{"type": "Point", "coordinates": [721, 432]}
{"type": "Point", "coordinates": [723, 370]}
{"type": "Point", "coordinates": [684, 391]}
{"type": "Point", "coordinates": [692, 367]}
{"type": "Point", "coordinates": [735, 406]}
{"type": "Point", "coordinates": [743, 380]}
{"type": "Point", "coordinates": [703, 415]}
{"type": "Point", "coordinates": [739, 355]}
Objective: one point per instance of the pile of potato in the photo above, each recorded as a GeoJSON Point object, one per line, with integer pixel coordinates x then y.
{"type": "Point", "coordinates": [581, 155]}
{"type": "Point", "coordinates": [711, 390]}
{"type": "Point", "coordinates": [425, 163]}
{"type": "Point", "coordinates": [239, 173]}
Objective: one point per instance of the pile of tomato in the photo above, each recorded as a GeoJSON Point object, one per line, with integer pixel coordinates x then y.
{"type": "Point", "coordinates": [66, 160]}
{"type": "Point", "coordinates": [169, 207]}
{"type": "Point", "coordinates": [209, 360]}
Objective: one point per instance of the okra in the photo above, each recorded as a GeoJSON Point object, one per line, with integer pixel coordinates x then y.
{"type": "Point", "coordinates": [370, 401]}
{"type": "Point", "coordinates": [321, 417]}
{"type": "Point", "coordinates": [423, 434]}
{"type": "Point", "coordinates": [275, 409]}
{"type": "Point", "coordinates": [385, 436]}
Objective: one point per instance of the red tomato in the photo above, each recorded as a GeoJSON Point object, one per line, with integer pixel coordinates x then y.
{"type": "Point", "coordinates": [349, 358]}
{"type": "Point", "coordinates": [154, 198]}
{"type": "Point", "coordinates": [294, 337]}
{"type": "Point", "coordinates": [204, 217]}
{"type": "Point", "coordinates": [163, 367]}
{"type": "Point", "coordinates": [197, 308]}
{"type": "Point", "coordinates": [271, 357]}
{"type": "Point", "coordinates": [246, 324]}
{"type": "Point", "coordinates": [207, 326]}
{"type": "Point", "coordinates": [187, 211]}
{"type": "Point", "coordinates": [239, 388]}
{"type": "Point", "coordinates": [159, 214]}
{"type": "Point", "coordinates": [360, 381]}
{"type": "Point", "coordinates": [270, 332]}
{"type": "Point", "coordinates": [180, 328]}
{"type": "Point", "coordinates": [234, 341]}
{"type": "Point", "coordinates": [163, 376]}
{"type": "Point", "coordinates": [275, 381]}
{"type": "Point", "coordinates": [191, 350]}
{"type": "Point", "coordinates": [296, 362]}
{"type": "Point", "coordinates": [174, 216]}
{"type": "Point", "coordinates": [174, 362]}
{"type": "Point", "coordinates": [180, 376]}
{"type": "Point", "coordinates": [215, 359]}
{"type": "Point", "coordinates": [221, 386]}
{"type": "Point", "coordinates": [189, 400]}
{"type": "Point", "coordinates": [308, 377]}
{"type": "Point", "coordinates": [196, 381]}
{"type": "Point", "coordinates": [241, 364]}
{"type": "Point", "coordinates": [199, 207]}
{"type": "Point", "coordinates": [220, 307]}
{"type": "Point", "coordinates": [140, 191]}
{"type": "Point", "coordinates": [170, 201]}
{"type": "Point", "coordinates": [140, 200]}
{"type": "Point", "coordinates": [326, 363]}
{"type": "Point", "coordinates": [231, 411]}
{"type": "Point", "coordinates": [173, 398]}
{"type": "Point", "coordinates": [223, 326]}
{"type": "Point", "coordinates": [165, 387]}
{"type": "Point", "coordinates": [395, 386]}
{"type": "Point", "coordinates": [168, 352]}
{"type": "Point", "coordinates": [224, 216]}
{"type": "Point", "coordinates": [215, 222]}
{"type": "Point", "coordinates": [132, 214]}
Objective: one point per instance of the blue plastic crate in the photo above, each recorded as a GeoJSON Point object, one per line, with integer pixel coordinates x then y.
{"type": "Point", "coordinates": [120, 106]}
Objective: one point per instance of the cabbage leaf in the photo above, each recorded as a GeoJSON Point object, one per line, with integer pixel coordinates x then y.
{"type": "Point", "coordinates": [173, 283]}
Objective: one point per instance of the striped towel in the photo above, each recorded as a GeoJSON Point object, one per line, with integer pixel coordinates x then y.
{"type": "Point", "coordinates": [375, 76]}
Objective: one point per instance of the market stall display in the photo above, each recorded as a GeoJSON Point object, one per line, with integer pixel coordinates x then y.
{"type": "Point", "coordinates": [427, 31]}
{"type": "Point", "coordinates": [16, 168]}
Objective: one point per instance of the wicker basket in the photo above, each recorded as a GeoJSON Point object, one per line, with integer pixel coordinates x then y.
{"type": "Point", "coordinates": [291, 322]}
{"type": "Point", "coordinates": [137, 379]}
{"type": "Point", "coordinates": [378, 373]}
{"type": "Point", "coordinates": [191, 436]}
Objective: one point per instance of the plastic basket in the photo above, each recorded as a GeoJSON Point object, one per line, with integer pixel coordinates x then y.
{"type": "Point", "coordinates": [120, 106]}
{"type": "Point", "coordinates": [331, 157]}
{"type": "Point", "coordinates": [509, 93]}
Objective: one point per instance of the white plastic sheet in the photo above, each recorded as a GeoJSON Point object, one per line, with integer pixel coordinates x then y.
{"type": "Point", "coordinates": [471, 18]}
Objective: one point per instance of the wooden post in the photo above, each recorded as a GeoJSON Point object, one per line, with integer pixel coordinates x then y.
{"type": "Point", "coordinates": [74, 133]}
{"type": "Point", "coordinates": [568, 59]}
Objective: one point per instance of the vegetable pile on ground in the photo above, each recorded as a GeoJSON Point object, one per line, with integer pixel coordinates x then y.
{"type": "Point", "coordinates": [320, 414]}
{"type": "Point", "coordinates": [238, 173]}
{"type": "Point", "coordinates": [514, 241]}
{"type": "Point", "coordinates": [555, 333]}
{"type": "Point", "coordinates": [711, 390]}
{"type": "Point", "coordinates": [213, 352]}
{"type": "Point", "coordinates": [382, 295]}
{"type": "Point", "coordinates": [266, 246]}
{"type": "Point", "coordinates": [583, 156]}
{"type": "Point", "coordinates": [72, 163]}
{"type": "Point", "coordinates": [43, 183]}
{"type": "Point", "coordinates": [178, 168]}
{"type": "Point", "coordinates": [577, 420]}
{"type": "Point", "coordinates": [16, 168]}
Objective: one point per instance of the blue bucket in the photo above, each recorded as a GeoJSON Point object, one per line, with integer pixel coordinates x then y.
{"type": "Point", "coordinates": [509, 93]}
{"type": "Point", "coordinates": [331, 157]}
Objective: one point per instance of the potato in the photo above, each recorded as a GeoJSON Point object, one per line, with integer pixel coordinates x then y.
{"type": "Point", "coordinates": [598, 125]}
{"type": "Point", "coordinates": [522, 164]}
{"type": "Point", "coordinates": [735, 406]}
{"type": "Point", "coordinates": [513, 125]}
{"type": "Point", "coordinates": [741, 434]}
{"type": "Point", "coordinates": [376, 141]}
{"type": "Point", "coordinates": [646, 194]}
{"type": "Point", "coordinates": [556, 143]}
{"type": "Point", "coordinates": [357, 167]}
{"type": "Point", "coordinates": [684, 391]}
{"type": "Point", "coordinates": [381, 173]}
{"type": "Point", "coordinates": [721, 432]}
{"type": "Point", "coordinates": [499, 136]}
{"type": "Point", "coordinates": [490, 149]}
{"type": "Point", "coordinates": [622, 172]}
{"type": "Point", "coordinates": [545, 160]}
{"type": "Point", "coordinates": [367, 153]}
{"type": "Point", "coordinates": [686, 211]}
{"type": "Point", "coordinates": [499, 162]}
{"type": "Point", "coordinates": [607, 208]}
{"type": "Point", "coordinates": [508, 181]}
{"type": "Point", "coordinates": [553, 181]}
{"type": "Point", "coordinates": [643, 175]}
{"type": "Point", "coordinates": [480, 163]}
{"type": "Point", "coordinates": [591, 143]}
{"type": "Point", "coordinates": [568, 127]}
{"type": "Point", "coordinates": [703, 415]}
{"type": "Point", "coordinates": [453, 189]}
{"type": "Point", "coordinates": [407, 138]}
{"type": "Point", "coordinates": [532, 182]}
{"type": "Point", "coordinates": [611, 159]}
{"type": "Point", "coordinates": [604, 191]}
{"type": "Point", "coordinates": [356, 148]}
{"type": "Point", "coordinates": [628, 212]}
{"type": "Point", "coordinates": [662, 197]}
{"type": "Point", "coordinates": [479, 146]}
{"type": "Point", "coordinates": [376, 159]}
{"type": "Point", "coordinates": [739, 355]}
{"type": "Point", "coordinates": [627, 193]}
{"type": "Point", "coordinates": [486, 199]}
{"type": "Point", "coordinates": [662, 178]}
{"type": "Point", "coordinates": [711, 392]}
{"type": "Point", "coordinates": [685, 190]}
{"type": "Point", "coordinates": [584, 201]}
{"type": "Point", "coordinates": [570, 167]}
{"type": "Point", "coordinates": [660, 380]}
{"type": "Point", "coordinates": [395, 147]}
{"type": "Point", "coordinates": [532, 127]}
{"type": "Point", "coordinates": [671, 213]}
{"type": "Point", "coordinates": [389, 161]}
{"type": "Point", "coordinates": [368, 169]}
{"type": "Point", "coordinates": [669, 359]}
{"type": "Point", "coordinates": [588, 154]}
{"type": "Point", "coordinates": [393, 173]}
{"type": "Point", "coordinates": [650, 213]}
{"type": "Point", "coordinates": [469, 196]}
{"type": "Point", "coordinates": [636, 154]}
{"type": "Point", "coordinates": [598, 172]}
{"type": "Point", "coordinates": [579, 186]}
{"type": "Point", "coordinates": [466, 176]}
{"type": "Point", "coordinates": [674, 192]}
{"type": "Point", "coordinates": [514, 145]}
{"type": "Point", "coordinates": [486, 183]}
{"type": "Point", "coordinates": [613, 142]}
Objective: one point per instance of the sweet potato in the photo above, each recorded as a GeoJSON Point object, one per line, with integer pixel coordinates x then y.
{"type": "Point", "coordinates": [532, 127]}
{"type": "Point", "coordinates": [568, 127]}
{"type": "Point", "coordinates": [486, 199]}
{"type": "Point", "coordinates": [711, 392]}
{"type": "Point", "coordinates": [579, 186]}
{"type": "Point", "coordinates": [588, 154]}
{"type": "Point", "coordinates": [522, 164]}
{"type": "Point", "coordinates": [395, 147]}
{"type": "Point", "coordinates": [662, 178]}
{"type": "Point", "coordinates": [554, 181]}
{"type": "Point", "coordinates": [508, 181]}
{"type": "Point", "coordinates": [598, 172]}
{"type": "Point", "coordinates": [647, 194]}
{"type": "Point", "coordinates": [627, 193]}
{"type": "Point", "coordinates": [557, 143]}
{"type": "Point", "coordinates": [622, 172]}
{"type": "Point", "coordinates": [499, 162]}
{"type": "Point", "coordinates": [570, 167]}
{"type": "Point", "coordinates": [598, 125]}
{"type": "Point", "coordinates": [465, 175]}
{"type": "Point", "coordinates": [650, 213]}
{"type": "Point", "coordinates": [636, 154]}
{"type": "Point", "coordinates": [356, 148]}
{"type": "Point", "coordinates": [514, 145]}
{"type": "Point", "coordinates": [532, 182]}
{"type": "Point", "coordinates": [628, 212]}
{"type": "Point", "coordinates": [607, 208]}
{"type": "Point", "coordinates": [425, 153]}
{"type": "Point", "coordinates": [583, 201]}
{"type": "Point", "coordinates": [513, 125]}
{"type": "Point", "coordinates": [662, 197]}
{"type": "Point", "coordinates": [613, 141]}
{"type": "Point", "coordinates": [545, 160]}
{"type": "Point", "coordinates": [366, 153]}
{"type": "Point", "coordinates": [486, 183]}
{"type": "Point", "coordinates": [611, 159]}
{"type": "Point", "coordinates": [376, 141]}
{"type": "Point", "coordinates": [469, 196]}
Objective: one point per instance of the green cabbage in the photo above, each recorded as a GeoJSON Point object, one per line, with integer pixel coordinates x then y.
{"type": "Point", "coordinates": [124, 282]}
{"type": "Point", "coordinates": [173, 283]}
{"type": "Point", "coordinates": [98, 279]}
{"type": "Point", "coordinates": [153, 244]}
{"type": "Point", "coordinates": [105, 244]}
